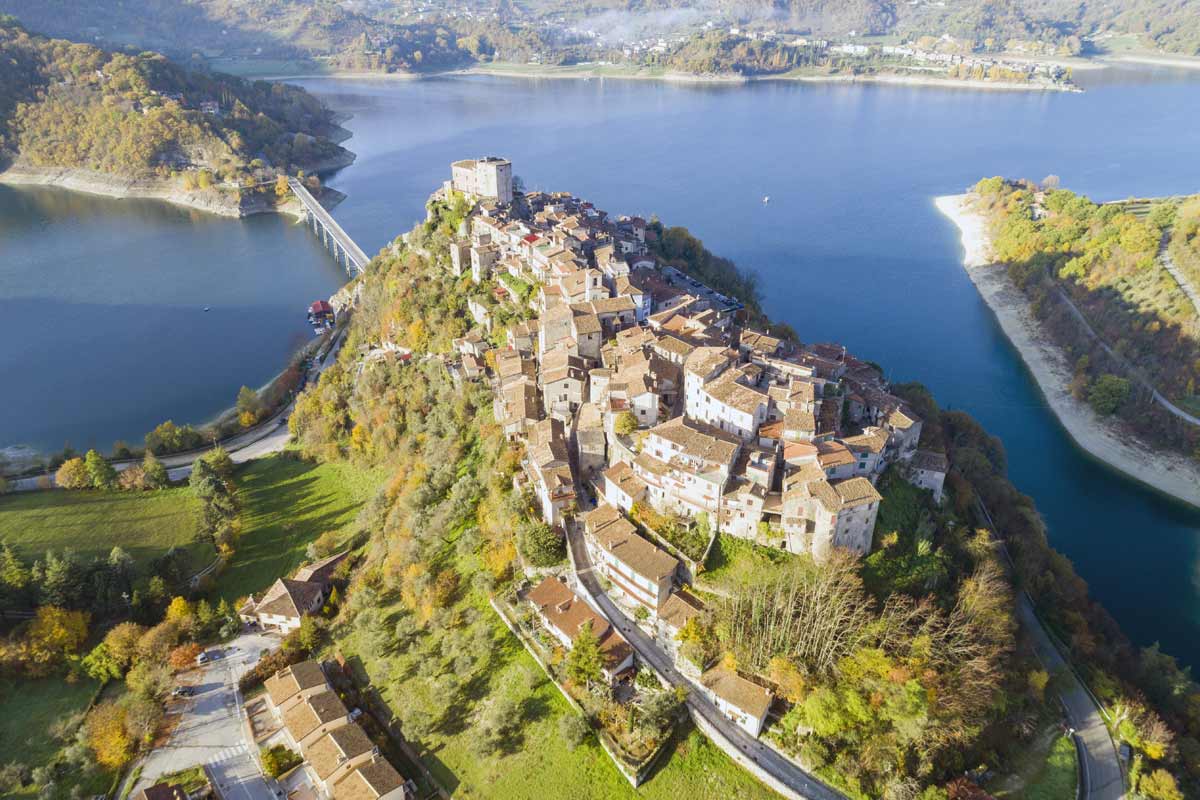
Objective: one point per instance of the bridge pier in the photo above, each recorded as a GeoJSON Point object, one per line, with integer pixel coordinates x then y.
{"type": "Point", "coordinates": [345, 252]}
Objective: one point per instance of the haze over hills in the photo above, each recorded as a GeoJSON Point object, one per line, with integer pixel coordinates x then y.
{"type": "Point", "coordinates": [397, 35]}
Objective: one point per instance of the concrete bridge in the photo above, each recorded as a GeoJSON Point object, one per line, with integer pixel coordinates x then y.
{"type": "Point", "coordinates": [336, 240]}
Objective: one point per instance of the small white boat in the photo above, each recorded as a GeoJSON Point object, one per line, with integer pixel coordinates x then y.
{"type": "Point", "coordinates": [766, 199]}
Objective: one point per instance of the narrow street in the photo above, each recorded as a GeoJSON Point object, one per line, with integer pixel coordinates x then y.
{"type": "Point", "coordinates": [802, 784]}
{"type": "Point", "coordinates": [211, 730]}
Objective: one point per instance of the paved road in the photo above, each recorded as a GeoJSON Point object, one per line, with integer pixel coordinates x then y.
{"type": "Point", "coordinates": [803, 784]}
{"type": "Point", "coordinates": [1101, 766]}
{"type": "Point", "coordinates": [211, 730]}
{"type": "Point", "coordinates": [266, 438]}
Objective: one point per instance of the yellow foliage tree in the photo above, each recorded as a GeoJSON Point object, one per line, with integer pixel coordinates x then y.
{"type": "Point", "coordinates": [107, 736]}
{"type": "Point", "coordinates": [73, 474]}
{"type": "Point", "coordinates": [54, 634]}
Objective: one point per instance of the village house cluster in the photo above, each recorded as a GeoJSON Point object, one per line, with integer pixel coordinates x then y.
{"type": "Point", "coordinates": [635, 386]}
{"type": "Point", "coordinates": [340, 760]}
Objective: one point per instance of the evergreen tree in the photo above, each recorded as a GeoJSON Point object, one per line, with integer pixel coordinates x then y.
{"type": "Point", "coordinates": [62, 582]}
{"type": "Point", "coordinates": [100, 472]}
{"type": "Point", "coordinates": [584, 662]}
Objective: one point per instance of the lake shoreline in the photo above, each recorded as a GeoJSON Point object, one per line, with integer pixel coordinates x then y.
{"type": "Point", "coordinates": [217, 201]}
{"type": "Point", "coordinates": [621, 73]}
{"type": "Point", "coordinates": [887, 78]}
{"type": "Point", "coordinates": [1170, 474]}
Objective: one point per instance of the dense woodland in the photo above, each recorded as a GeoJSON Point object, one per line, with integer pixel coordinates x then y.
{"type": "Point", "coordinates": [73, 105]}
{"type": "Point", "coordinates": [1106, 260]}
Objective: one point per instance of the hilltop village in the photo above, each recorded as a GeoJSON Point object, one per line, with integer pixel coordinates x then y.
{"type": "Point", "coordinates": [650, 412]}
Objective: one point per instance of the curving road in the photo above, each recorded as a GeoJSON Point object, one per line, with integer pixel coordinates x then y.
{"type": "Point", "coordinates": [1101, 768]}
{"type": "Point", "coordinates": [739, 744]}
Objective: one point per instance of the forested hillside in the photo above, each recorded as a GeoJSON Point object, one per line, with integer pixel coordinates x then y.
{"type": "Point", "coordinates": [1109, 262]}
{"type": "Point", "coordinates": [64, 104]}
{"type": "Point", "coordinates": [395, 35]}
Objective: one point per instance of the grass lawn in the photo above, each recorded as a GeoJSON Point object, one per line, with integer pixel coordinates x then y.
{"type": "Point", "coordinates": [536, 762]}
{"type": "Point", "coordinates": [286, 504]}
{"type": "Point", "coordinates": [733, 562]}
{"type": "Point", "coordinates": [1044, 769]}
{"type": "Point", "coordinates": [145, 524]}
{"type": "Point", "coordinates": [32, 711]}
{"type": "Point", "coordinates": [1057, 776]}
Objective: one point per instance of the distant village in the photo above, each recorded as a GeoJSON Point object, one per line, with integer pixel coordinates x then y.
{"type": "Point", "coordinates": [641, 396]}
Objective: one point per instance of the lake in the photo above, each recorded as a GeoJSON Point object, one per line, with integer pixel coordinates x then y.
{"type": "Point", "coordinates": [850, 249]}
{"type": "Point", "coordinates": [124, 313]}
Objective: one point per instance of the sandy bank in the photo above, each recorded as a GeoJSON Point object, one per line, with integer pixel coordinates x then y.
{"type": "Point", "coordinates": [1166, 472]}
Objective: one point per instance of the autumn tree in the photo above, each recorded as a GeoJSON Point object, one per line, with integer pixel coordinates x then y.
{"type": "Point", "coordinates": [184, 656]}
{"type": "Point", "coordinates": [107, 736]}
{"type": "Point", "coordinates": [55, 634]}
{"type": "Point", "coordinates": [73, 474]}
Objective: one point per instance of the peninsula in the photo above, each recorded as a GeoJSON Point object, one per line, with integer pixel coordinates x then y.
{"type": "Point", "coordinates": [1093, 298]}
{"type": "Point", "coordinates": [79, 117]}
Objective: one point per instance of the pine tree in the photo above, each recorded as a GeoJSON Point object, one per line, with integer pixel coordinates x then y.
{"type": "Point", "coordinates": [100, 472]}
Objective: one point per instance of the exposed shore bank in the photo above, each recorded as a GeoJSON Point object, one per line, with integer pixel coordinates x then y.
{"type": "Point", "coordinates": [222, 202]}
{"type": "Point", "coordinates": [626, 73]}
{"type": "Point", "coordinates": [1165, 472]}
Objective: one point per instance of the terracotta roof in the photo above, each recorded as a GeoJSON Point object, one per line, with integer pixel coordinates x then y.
{"type": "Point", "coordinates": [337, 747]}
{"type": "Point", "coordinates": [844, 494]}
{"type": "Point", "coordinates": [313, 712]}
{"type": "Point", "coordinates": [294, 679]}
{"type": "Point", "coordinates": [737, 691]}
{"type": "Point", "coordinates": [833, 454]}
{"type": "Point", "coordinates": [562, 609]}
{"type": "Point", "coordinates": [623, 476]}
{"type": "Point", "coordinates": [799, 451]}
{"type": "Point", "coordinates": [619, 537]}
{"type": "Point", "coordinates": [680, 607]}
{"type": "Point", "coordinates": [287, 597]}
{"type": "Point", "coordinates": [321, 571]}
{"type": "Point", "coordinates": [930, 460]}
{"type": "Point", "coordinates": [368, 781]}
{"type": "Point", "coordinates": [873, 440]}
{"type": "Point", "coordinates": [698, 440]}
{"type": "Point", "coordinates": [797, 419]}
{"type": "Point", "coordinates": [729, 392]}
{"type": "Point", "coordinates": [703, 360]}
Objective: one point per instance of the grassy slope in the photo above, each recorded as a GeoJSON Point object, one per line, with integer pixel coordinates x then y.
{"type": "Point", "coordinates": [287, 504]}
{"type": "Point", "coordinates": [537, 764]}
{"type": "Point", "coordinates": [145, 524]}
{"type": "Point", "coordinates": [1057, 776]}
{"type": "Point", "coordinates": [31, 709]}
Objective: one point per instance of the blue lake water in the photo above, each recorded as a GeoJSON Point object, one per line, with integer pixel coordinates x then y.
{"type": "Point", "coordinates": [849, 249]}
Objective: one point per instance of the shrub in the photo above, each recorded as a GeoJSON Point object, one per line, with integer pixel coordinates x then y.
{"type": "Point", "coordinates": [278, 760]}
{"type": "Point", "coordinates": [1108, 393]}
{"type": "Point", "coordinates": [573, 729]}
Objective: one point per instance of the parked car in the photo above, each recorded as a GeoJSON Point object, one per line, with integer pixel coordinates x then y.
{"type": "Point", "coordinates": [182, 691]}
{"type": "Point", "coordinates": [355, 714]}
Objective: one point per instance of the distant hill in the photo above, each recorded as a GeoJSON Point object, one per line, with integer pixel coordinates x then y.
{"type": "Point", "coordinates": [402, 35]}
{"type": "Point", "coordinates": [64, 104]}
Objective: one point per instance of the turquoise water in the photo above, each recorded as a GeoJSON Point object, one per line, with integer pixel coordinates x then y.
{"type": "Point", "coordinates": [107, 297]}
